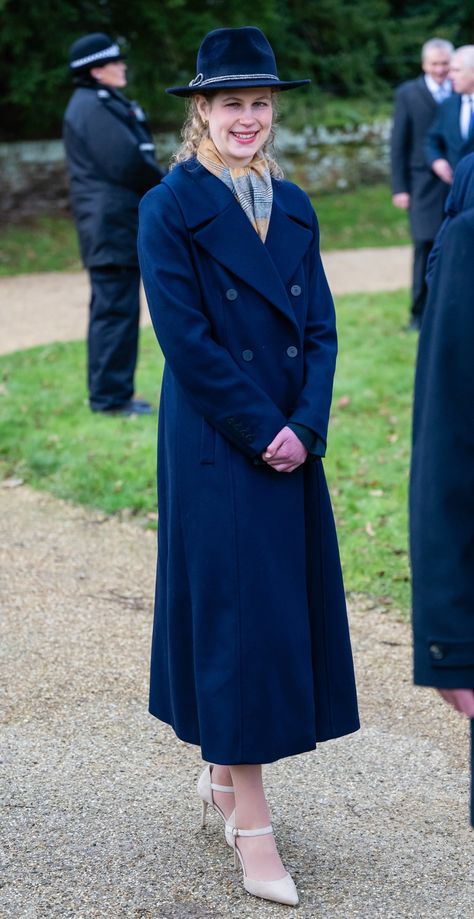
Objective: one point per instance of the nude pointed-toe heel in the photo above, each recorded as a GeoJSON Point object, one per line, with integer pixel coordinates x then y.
{"type": "Point", "coordinates": [205, 787]}
{"type": "Point", "coordinates": [283, 890]}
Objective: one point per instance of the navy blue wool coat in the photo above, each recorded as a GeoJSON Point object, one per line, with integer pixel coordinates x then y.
{"type": "Point", "coordinates": [442, 470]}
{"type": "Point", "coordinates": [251, 656]}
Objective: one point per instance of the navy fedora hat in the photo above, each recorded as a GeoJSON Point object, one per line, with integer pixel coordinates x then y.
{"type": "Point", "coordinates": [235, 58]}
{"type": "Point", "coordinates": [94, 50]}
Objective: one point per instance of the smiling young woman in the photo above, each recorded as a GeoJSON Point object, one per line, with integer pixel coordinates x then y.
{"type": "Point", "coordinates": [251, 656]}
{"type": "Point", "coordinates": [239, 124]}
{"type": "Point", "coordinates": [210, 113]}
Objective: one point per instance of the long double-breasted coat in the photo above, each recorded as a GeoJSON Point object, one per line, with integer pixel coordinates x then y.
{"type": "Point", "coordinates": [251, 656]}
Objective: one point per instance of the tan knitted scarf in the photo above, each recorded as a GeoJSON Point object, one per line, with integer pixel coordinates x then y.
{"type": "Point", "coordinates": [251, 185]}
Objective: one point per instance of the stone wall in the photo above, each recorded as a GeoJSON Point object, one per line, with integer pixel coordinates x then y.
{"type": "Point", "coordinates": [33, 176]}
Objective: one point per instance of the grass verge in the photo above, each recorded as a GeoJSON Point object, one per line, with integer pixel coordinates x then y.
{"type": "Point", "coordinates": [39, 244]}
{"type": "Point", "coordinates": [365, 217]}
{"type": "Point", "coordinates": [50, 439]}
{"type": "Point", "coordinates": [356, 219]}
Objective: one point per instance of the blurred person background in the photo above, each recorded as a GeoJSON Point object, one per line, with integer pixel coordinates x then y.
{"type": "Point", "coordinates": [111, 164]}
{"type": "Point", "coordinates": [415, 188]}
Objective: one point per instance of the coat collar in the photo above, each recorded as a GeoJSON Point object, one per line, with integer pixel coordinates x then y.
{"type": "Point", "coordinates": [220, 226]}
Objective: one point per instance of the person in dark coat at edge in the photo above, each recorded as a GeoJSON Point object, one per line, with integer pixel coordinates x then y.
{"type": "Point", "coordinates": [251, 657]}
{"type": "Point", "coordinates": [111, 163]}
{"type": "Point", "coordinates": [442, 467]}
{"type": "Point", "coordinates": [460, 198]}
{"type": "Point", "coordinates": [415, 188]}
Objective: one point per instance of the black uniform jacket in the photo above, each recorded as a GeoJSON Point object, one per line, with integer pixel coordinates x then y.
{"type": "Point", "coordinates": [111, 162]}
{"type": "Point", "coordinates": [415, 110]}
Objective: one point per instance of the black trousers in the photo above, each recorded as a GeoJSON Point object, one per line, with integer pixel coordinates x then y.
{"type": "Point", "coordinates": [113, 335]}
{"type": "Point", "coordinates": [421, 251]}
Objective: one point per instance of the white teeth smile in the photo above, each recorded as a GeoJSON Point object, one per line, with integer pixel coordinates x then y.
{"type": "Point", "coordinates": [245, 136]}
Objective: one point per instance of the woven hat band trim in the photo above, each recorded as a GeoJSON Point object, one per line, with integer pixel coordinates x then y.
{"type": "Point", "coordinates": [199, 81]}
{"type": "Point", "coordinates": [111, 51]}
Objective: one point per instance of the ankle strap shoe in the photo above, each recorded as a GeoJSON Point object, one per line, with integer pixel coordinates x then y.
{"type": "Point", "coordinates": [205, 787]}
{"type": "Point", "coordinates": [283, 890]}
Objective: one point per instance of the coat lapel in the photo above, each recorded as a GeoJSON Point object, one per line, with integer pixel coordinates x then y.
{"type": "Point", "coordinates": [425, 95]}
{"type": "Point", "coordinates": [221, 228]}
{"type": "Point", "coordinates": [289, 236]}
{"type": "Point", "coordinates": [455, 117]}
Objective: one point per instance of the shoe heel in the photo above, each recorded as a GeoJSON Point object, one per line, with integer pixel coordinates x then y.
{"type": "Point", "coordinates": [205, 805]}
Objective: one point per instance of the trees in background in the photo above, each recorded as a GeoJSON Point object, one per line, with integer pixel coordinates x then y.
{"type": "Point", "coordinates": [348, 48]}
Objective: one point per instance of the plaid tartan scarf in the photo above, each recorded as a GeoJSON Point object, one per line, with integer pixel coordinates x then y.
{"type": "Point", "coordinates": [251, 185]}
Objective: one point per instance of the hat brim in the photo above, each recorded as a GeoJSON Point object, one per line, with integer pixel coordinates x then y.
{"type": "Point", "coordinates": [279, 85]}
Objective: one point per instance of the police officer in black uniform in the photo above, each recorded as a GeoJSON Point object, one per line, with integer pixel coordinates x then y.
{"type": "Point", "coordinates": [110, 155]}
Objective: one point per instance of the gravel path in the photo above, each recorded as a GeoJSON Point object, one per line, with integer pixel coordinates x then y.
{"type": "Point", "coordinates": [99, 815]}
{"type": "Point", "coordinates": [99, 819]}
{"type": "Point", "coordinates": [38, 308]}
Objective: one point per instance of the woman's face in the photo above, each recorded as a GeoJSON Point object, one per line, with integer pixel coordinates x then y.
{"type": "Point", "coordinates": [239, 122]}
{"type": "Point", "coordinates": [113, 74]}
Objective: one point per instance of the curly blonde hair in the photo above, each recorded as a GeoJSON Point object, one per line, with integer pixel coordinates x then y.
{"type": "Point", "coordinates": [194, 129]}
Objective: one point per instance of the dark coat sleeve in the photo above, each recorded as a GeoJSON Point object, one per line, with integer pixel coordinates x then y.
{"type": "Point", "coordinates": [214, 384]}
{"type": "Point", "coordinates": [442, 472]}
{"type": "Point", "coordinates": [400, 143]}
{"type": "Point", "coordinates": [433, 256]}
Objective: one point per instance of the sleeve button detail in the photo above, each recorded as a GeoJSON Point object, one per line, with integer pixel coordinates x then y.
{"type": "Point", "coordinates": [247, 355]}
{"type": "Point", "coordinates": [231, 294]}
{"type": "Point", "coordinates": [295, 290]}
{"type": "Point", "coordinates": [292, 351]}
{"type": "Point", "coordinates": [436, 652]}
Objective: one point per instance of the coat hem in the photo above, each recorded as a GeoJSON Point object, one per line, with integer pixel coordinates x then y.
{"type": "Point", "coordinates": [208, 756]}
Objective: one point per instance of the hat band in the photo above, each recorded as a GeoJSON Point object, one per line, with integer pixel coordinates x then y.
{"type": "Point", "coordinates": [111, 51]}
{"type": "Point", "coordinates": [200, 81]}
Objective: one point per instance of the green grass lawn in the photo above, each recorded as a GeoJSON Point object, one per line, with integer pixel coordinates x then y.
{"type": "Point", "coordinates": [365, 217]}
{"type": "Point", "coordinates": [40, 244]}
{"type": "Point", "coordinates": [355, 219]}
{"type": "Point", "coordinates": [50, 439]}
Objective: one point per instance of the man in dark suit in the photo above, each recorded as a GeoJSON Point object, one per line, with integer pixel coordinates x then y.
{"type": "Point", "coordinates": [442, 469]}
{"type": "Point", "coordinates": [452, 133]}
{"type": "Point", "coordinates": [414, 187]}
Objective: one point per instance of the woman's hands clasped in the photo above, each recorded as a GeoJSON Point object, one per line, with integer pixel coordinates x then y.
{"type": "Point", "coordinates": [286, 452]}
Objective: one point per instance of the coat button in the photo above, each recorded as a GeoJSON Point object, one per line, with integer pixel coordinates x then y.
{"type": "Point", "coordinates": [295, 290]}
{"type": "Point", "coordinates": [292, 351]}
{"type": "Point", "coordinates": [231, 294]}
{"type": "Point", "coordinates": [247, 355]}
{"type": "Point", "coordinates": [436, 652]}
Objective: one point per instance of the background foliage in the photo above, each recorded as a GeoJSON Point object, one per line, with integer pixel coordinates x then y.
{"type": "Point", "coordinates": [347, 48]}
